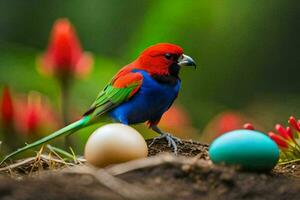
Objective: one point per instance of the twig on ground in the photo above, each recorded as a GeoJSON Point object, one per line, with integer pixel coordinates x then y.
{"type": "Point", "coordinates": [37, 160]}
{"type": "Point", "coordinates": [119, 186]}
{"type": "Point", "coordinates": [152, 162]}
{"type": "Point", "coordinates": [18, 164]}
{"type": "Point", "coordinates": [46, 158]}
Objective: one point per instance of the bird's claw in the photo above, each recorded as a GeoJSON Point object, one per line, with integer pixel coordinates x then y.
{"type": "Point", "coordinates": [170, 139]}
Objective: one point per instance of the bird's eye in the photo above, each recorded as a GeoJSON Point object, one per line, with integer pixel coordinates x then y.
{"type": "Point", "coordinates": [168, 56]}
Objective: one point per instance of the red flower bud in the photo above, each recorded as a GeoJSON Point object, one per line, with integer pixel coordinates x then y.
{"type": "Point", "coordinates": [248, 126]}
{"type": "Point", "coordinates": [278, 140]}
{"type": "Point", "coordinates": [290, 132]}
{"type": "Point", "coordinates": [34, 115]}
{"type": "Point", "coordinates": [32, 119]}
{"type": "Point", "coordinates": [282, 131]}
{"type": "Point", "coordinates": [298, 123]}
{"type": "Point", "coordinates": [293, 123]}
{"type": "Point", "coordinates": [64, 55]}
{"type": "Point", "coordinates": [7, 108]}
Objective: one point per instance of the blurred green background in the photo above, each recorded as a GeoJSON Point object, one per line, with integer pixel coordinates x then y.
{"type": "Point", "coordinates": [247, 51]}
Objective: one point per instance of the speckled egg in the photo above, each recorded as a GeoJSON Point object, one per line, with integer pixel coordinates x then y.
{"type": "Point", "coordinates": [252, 150]}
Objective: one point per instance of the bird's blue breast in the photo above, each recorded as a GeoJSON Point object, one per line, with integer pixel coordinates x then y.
{"type": "Point", "coordinates": [149, 103]}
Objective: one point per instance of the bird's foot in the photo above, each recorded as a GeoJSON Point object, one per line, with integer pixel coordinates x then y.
{"type": "Point", "coordinates": [172, 141]}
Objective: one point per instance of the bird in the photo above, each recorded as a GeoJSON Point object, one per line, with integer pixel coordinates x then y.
{"type": "Point", "coordinates": [142, 91]}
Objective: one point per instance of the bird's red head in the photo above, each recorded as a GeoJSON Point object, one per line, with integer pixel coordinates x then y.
{"type": "Point", "coordinates": [163, 59]}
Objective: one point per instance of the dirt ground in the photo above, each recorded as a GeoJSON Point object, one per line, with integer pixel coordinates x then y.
{"type": "Point", "coordinates": [190, 175]}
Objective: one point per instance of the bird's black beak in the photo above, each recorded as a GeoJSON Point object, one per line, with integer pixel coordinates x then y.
{"type": "Point", "coordinates": [185, 60]}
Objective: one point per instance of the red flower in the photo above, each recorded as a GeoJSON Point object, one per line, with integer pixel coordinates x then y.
{"type": "Point", "coordinates": [286, 140]}
{"type": "Point", "coordinates": [176, 116]}
{"type": "Point", "coordinates": [293, 123]}
{"type": "Point", "coordinates": [64, 55]}
{"type": "Point", "coordinates": [177, 121]}
{"type": "Point", "coordinates": [286, 134]}
{"type": "Point", "coordinates": [224, 122]}
{"type": "Point", "coordinates": [7, 108]}
{"type": "Point", "coordinates": [290, 132]}
{"type": "Point", "coordinates": [248, 126]}
{"type": "Point", "coordinates": [34, 115]}
{"type": "Point", "coordinates": [278, 140]}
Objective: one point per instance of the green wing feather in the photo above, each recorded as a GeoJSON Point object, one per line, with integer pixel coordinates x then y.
{"type": "Point", "coordinates": [110, 97]}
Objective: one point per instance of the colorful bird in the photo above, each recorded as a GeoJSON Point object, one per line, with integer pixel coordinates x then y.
{"type": "Point", "coordinates": [140, 92]}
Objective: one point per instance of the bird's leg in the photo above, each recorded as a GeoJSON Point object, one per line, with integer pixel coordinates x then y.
{"type": "Point", "coordinates": [169, 137]}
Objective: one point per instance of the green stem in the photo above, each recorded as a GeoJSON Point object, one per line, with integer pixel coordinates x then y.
{"type": "Point", "coordinates": [288, 162]}
{"type": "Point", "coordinates": [60, 151]}
{"type": "Point", "coordinates": [65, 99]}
{"type": "Point", "coordinates": [65, 86]}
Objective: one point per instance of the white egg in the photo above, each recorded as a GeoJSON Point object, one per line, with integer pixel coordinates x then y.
{"type": "Point", "coordinates": [114, 143]}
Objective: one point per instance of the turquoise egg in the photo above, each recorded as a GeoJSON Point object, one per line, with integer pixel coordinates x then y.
{"type": "Point", "coordinates": [252, 150]}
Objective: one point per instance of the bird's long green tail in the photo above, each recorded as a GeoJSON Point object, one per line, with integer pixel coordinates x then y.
{"type": "Point", "coordinates": [71, 128]}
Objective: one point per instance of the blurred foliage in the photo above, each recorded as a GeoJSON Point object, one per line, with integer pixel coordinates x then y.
{"type": "Point", "coordinates": [247, 51]}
